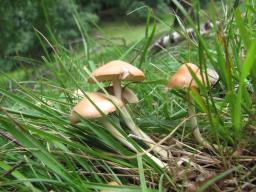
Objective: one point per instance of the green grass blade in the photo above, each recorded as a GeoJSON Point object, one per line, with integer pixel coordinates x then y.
{"type": "Point", "coordinates": [18, 175]}
{"type": "Point", "coordinates": [142, 176]}
{"type": "Point", "coordinates": [247, 66]}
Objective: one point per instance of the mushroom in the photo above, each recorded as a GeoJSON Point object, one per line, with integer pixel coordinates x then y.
{"type": "Point", "coordinates": [183, 79]}
{"type": "Point", "coordinates": [93, 106]}
{"type": "Point", "coordinates": [86, 109]}
{"type": "Point", "coordinates": [128, 96]}
{"type": "Point", "coordinates": [116, 71]}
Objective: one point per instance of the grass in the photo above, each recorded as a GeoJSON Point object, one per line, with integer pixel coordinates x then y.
{"type": "Point", "coordinates": [42, 151]}
{"type": "Point", "coordinates": [133, 32]}
{"type": "Point", "coordinates": [18, 75]}
{"type": "Point", "coordinates": [109, 31]}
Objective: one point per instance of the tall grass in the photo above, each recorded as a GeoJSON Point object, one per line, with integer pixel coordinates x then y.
{"type": "Point", "coordinates": [46, 152]}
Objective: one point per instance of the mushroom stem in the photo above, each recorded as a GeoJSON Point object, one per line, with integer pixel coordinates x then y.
{"type": "Point", "coordinates": [117, 89]}
{"type": "Point", "coordinates": [117, 134]}
{"type": "Point", "coordinates": [130, 123]}
{"type": "Point", "coordinates": [194, 124]}
{"type": "Point", "coordinates": [121, 138]}
{"type": "Point", "coordinates": [137, 131]}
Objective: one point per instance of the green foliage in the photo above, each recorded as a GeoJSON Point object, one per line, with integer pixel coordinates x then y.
{"type": "Point", "coordinates": [16, 31]}
{"type": "Point", "coordinates": [59, 156]}
{"type": "Point", "coordinates": [49, 17]}
{"type": "Point", "coordinates": [20, 17]}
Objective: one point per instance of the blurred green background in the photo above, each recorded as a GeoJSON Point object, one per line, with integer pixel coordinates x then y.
{"type": "Point", "coordinates": [20, 18]}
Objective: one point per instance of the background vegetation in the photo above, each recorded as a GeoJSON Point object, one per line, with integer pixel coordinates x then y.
{"type": "Point", "coordinates": [40, 150]}
{"type": "Point", "coordinates": [21, 18]}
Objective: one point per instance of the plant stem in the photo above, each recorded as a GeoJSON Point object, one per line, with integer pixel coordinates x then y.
{"type": "Point", "coordinates": [117, 89]}
{"type": "Point", "coordinates": [121, 138]}
{"type": "Point", "coordinates": [194, 124]}
{"type": "Point", "coordinates": [130, 123]}
{"type": "Point", "coordinates": [137, 131]}
{"type": "Point", "coordinates": [117, 134]}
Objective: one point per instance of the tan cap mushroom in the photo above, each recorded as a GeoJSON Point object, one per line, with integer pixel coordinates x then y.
{"type": "Point", "coordinates": [117, 70]}
{"type": "Point", "coordinates": [183, 78]}
{"type": "Point", "coordinates": [106, 104]}
{"type": "Point", "coordinates": [87, 110]}
{"type": "Point", "coordinates": [128, 96]}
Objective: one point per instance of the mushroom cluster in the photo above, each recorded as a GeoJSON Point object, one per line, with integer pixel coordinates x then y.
{"type": "Point", "coordinates": [97, 105]}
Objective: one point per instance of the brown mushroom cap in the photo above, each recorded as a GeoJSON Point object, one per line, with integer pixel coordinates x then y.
{"type": "Point", "coordinates": [117, 70]}
{"type": "Point", "coordinates": [182, 78]}
{"type": "Point", "coordinates": [87, 110]}
{"type": "Point", "coordinates": [128, 96]}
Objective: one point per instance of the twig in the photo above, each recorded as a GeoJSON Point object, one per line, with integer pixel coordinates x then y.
{"type": "Point", "coordinates": [9, 137]}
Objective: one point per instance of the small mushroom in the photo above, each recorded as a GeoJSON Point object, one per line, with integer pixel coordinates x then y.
{"type": "Point", "coordinates": [128, 96]}
{"type": "Point", "coordinates": [86, 109]}
{"type": "Point", "coordinates": [183, 79]}
{"type": "Point", "coordinates": [94, 106]}
{"type": "Point", "coordinates": [115, 72]}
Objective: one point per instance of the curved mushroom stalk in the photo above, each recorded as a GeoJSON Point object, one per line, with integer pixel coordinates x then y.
{"type": "Point", "coordinates": [138, 132]}
{"type": "Point", "coordinates": [183, 79]}
{"type": "Point", "coordinates": [122, 139]}
{"type": "Point", "coordinates": [128, 96]}
{"type": "Point", "coordinates": [92, 107]}
{"type": "Point", "coordinates": [117, 134]}
{"type": "Point", "coordinates": [116, 71]}
{"type": "Point", "coordinates": [194, 125]}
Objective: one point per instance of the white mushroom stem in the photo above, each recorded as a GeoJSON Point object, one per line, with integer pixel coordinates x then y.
{"type": "Point", "coordinates": [117, 134]}
{"type": "Point", "coordinates": [130, 123]}
{"type": "Point", "coordinates": [117, 89]}
{"type": "Point", "coordinates": [194, 124]}
{"type": "Point", "coordinates": [137, 131]}
{"type": "Point", "coordinates": [121, 138]}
